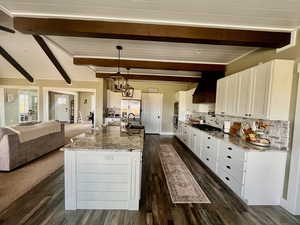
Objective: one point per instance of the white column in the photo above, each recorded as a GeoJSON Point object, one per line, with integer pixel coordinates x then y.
{"type": "Point", "coordinates": [293, 198]}
{"type": "Point", "coordinates": [2, 109]}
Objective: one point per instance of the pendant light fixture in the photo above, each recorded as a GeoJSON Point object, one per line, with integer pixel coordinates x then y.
{"type": "Point", "coordinates": [118, 80]}
{"type": "Point", "coordinates": [128, 90]}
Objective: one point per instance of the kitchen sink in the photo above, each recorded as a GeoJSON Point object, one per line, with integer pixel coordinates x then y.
{"type": "Point", "coordinates": [206, 127]}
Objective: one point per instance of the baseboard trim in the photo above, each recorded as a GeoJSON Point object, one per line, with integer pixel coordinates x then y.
{"type": "Point", "coordinates": [167, 133]}
{"type": "Point", "coordinates": [285, 204]}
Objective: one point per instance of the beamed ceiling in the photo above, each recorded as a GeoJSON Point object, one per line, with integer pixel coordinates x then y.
{"type": "Point", "coordinates": [169, 31]}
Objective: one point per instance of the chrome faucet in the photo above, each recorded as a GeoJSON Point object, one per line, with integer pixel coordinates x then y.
{"type": "Point", "coordinates": [132, 115]}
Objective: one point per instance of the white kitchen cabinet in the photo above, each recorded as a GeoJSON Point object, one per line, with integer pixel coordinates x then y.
{"type": "Point", "coordinates": [102, 179]}
{"type": "Point", "coordinates": [186, 105]}
{"type": "Point", "coordinates": [113, 99]}
{"type": "Point", "coordinates": [181, 105]}
{"type": "Point", "coordinates": [244, 92]}
{"type": "Point", "coordinates": [221, 96]}
{"type": "Point", "coordinates": [276, 96]}
{"type": "Point", "coordinates": [260, 92]}
{"type": "Point", "coordinates": [194, 139]}
{"type": "Point", "coordinates": [231, 95]}
{"type": "Point", "coordinates": [261, 86]}
{"type": "Point", "coordinates": [189, 100]}
{"type": "Point", "coordinates": [257, 177]}
{"type": "Point", "coordinates": [210, 151]}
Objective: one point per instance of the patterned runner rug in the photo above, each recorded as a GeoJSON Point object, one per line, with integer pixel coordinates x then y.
{"type": "Point", "coordinates": [182, 185]}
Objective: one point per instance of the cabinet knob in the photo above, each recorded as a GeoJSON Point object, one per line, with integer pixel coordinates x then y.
{"type": "Point", "coordinates": [207, 159]}
{"type": "Point", "coordinates": [230, 148]}
{"type": "Point", "coordinates": [229, 157]}
{"type": "Point", "coordinates": [228, 167]}
{"type": "Point", "coordinates": [207, 147]}
{"type": "Point", "coordinates": [249, 114]}
{"type": "Point", "coordinates": [227, 178]}
{"type": "Point", "coordinates": [208, 138]}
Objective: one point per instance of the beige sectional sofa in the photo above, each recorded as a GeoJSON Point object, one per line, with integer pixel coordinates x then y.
{"type": "Point", "coordinates": [14, 153]}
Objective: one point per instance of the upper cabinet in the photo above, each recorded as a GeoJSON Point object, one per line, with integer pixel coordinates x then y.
{"type": "Point", "coordinates": [231, 95]}
{"type": "Point", "coordinates": [189, 100]}
{"type": "Point", "coordinates": [181, 105]}
{"type": "Point", "coordinates": [245, 86]}
{"type": "Point", "coordinates": [261, 79]}
{"type": "Point", "coordinates": [113, 99]}
{"type": "Point", "coordinates": [221, 96]}
{"type": "Point", "coordinates": [261, 92]}
{"type": "Point", "coordinates": [186, 105]}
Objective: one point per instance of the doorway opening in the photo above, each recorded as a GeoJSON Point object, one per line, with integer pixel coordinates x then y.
{"type": "Point", "coordinates": [20, 105]}
{"type": "Point", "coordinates": [74, 106]}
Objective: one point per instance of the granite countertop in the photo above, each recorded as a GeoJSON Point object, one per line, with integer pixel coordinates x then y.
{"type": "Point", "coordinates": [108, 139]}
{"type": "Point", "coordinates": [238, 141]}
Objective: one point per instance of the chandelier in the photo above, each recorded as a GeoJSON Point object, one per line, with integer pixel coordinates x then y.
{"type": "Point", "coordinates": [119, 82]}
{"type": "Point", "coordinates": [128, 90]}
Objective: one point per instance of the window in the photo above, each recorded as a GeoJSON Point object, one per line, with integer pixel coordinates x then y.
{"type": "Point", "coordinates": [61, 100]}
{"type": "Point", "coordinates": [23, 103]}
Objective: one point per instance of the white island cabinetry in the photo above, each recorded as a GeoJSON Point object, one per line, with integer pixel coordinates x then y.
{"type": "Point", "coordinates": [106, 176]}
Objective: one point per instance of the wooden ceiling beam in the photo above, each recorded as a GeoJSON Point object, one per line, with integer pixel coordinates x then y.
{"type": "Point", "coordinates": [151, 32]}
{"type": "Point", "coordinates": [6, 29]}
{"type": "Point", "coordinates": [150, 64]}
{"type": "Point", "coordinates": [15, 64]}
{"type": "Point", "coordinates": [150, 77]}
{"type": "Point", "coordinates": [52, 58]}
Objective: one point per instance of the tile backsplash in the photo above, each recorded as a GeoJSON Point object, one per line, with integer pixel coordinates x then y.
{"type": "Point", "coordinates": [277, 132]}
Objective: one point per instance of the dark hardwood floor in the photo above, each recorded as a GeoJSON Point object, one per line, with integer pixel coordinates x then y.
{"type": "Point", "coordinates": [44, 204]}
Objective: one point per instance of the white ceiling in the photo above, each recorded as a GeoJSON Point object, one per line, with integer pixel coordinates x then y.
{"type": "Point", "coordinates": [260, 14]}
{"type": "Point", "coordinates": [250, 14]}
{"type": "Point", "coordinates": [149, 50]}
{"type": "Point", "coordinates": [25, 50]}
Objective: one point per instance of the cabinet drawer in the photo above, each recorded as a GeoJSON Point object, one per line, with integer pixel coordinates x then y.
{"type": "Point", "coordinates": [236, 170]}
{"type": "Point", "coordinates": [210, 151]}
{"type": "Point", "coordinates": [231, 182]}
{"type": "Point", "coordinates": [231, 153]}
{"type": "Point", "coordinates": [209, 161]}
{"type": "Point", "coordinates": [100, 158]}
{"type": "Point", "coordinates": [209, 140]}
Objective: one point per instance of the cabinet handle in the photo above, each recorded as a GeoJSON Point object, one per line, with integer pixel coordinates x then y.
{"type": "Point", "coordinates": [249, 114]}
{"type": "Point", "coordinates": [208, 138]}
{"type": "Point", "coordinates": [227, 178]}
{"type": "Point", "coordinates": [230, 148]}
{"type": "Point", "coordinates": [229, 157]}
{"type": "Point", "coordinates": [194, 135]}
{"type": "Point", "coordinates": [246, 114]}
{"type": "Point", "coordinates": [228, 167]}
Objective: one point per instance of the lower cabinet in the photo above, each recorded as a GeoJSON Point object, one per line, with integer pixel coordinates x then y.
{"type": "Point", "coordinates": [257, 177]}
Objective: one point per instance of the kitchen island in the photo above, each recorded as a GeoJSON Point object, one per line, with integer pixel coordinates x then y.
{"type": "Point", "coordinates": [103, 170]}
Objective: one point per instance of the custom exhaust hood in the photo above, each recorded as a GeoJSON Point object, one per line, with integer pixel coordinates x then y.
{"type": "Point", "coordinates": [206, 89]}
